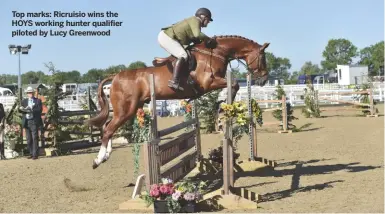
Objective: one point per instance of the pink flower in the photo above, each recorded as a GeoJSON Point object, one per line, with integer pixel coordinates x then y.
{"type": "Point", "coordinates": [154, 193]}
{"type": "Point", "coordinates": [171, 190]}
{"type": "Point", "coordinates": [154, 186]}
{"type": "Point", "coordinates": [164, 189]}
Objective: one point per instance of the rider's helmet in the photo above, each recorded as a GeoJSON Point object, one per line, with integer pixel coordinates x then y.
{"type": "Point", "coordinates": [204, 11]}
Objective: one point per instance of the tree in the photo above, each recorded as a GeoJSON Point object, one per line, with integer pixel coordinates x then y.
{"type": "Point", "coordinates": [293, 78]}
{"type": "Point", "coordinates": [237, 74]}
{"type": "Point", "coordinates": [56, 76]}
{"type": "Point", "coordinates": [93, 75]}
{"type": "Point", "coordinates": [72, 77]}
{"type": "Point", "coordinates": [309, 69]}
{"type": "Point", "coordinates": [373, 57]}
{"type": "Point", "coordinates": [338, 51]}
{"type": "Point", "coordinates": [29, 77]}
{"type": "Point", "coordinates": [136, 65]}
{"type": "Point", "coordinates": [278, 67]}
{"type": "Point", "coordinates": [114, 70]}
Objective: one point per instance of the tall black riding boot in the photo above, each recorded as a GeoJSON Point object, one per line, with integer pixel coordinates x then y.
{"type": "Point", "coordinates": [174, 83]}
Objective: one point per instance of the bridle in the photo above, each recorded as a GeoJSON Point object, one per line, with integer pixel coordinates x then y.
{"type": "Point", "coordinates": [227, 59]}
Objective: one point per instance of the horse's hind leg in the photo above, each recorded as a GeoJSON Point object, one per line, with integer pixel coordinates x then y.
{"type": "Point", "coordinates": [117, 120]}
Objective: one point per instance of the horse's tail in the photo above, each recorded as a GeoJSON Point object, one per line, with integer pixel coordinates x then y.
{"type": "Point", "coordinates": [102, 117]}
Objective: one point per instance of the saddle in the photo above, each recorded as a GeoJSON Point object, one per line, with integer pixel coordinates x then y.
{"type": "Point", "coordinates": [170, 62]}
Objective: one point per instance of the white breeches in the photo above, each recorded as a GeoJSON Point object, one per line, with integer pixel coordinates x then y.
{"type": "Point", "coordinates": [171, 46]}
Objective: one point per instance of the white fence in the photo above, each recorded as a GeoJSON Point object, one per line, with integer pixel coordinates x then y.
{"type": "Point", "coordinates": [295, 94]}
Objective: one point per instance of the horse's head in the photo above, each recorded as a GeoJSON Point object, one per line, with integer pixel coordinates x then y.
{"type": "Point", "coordinates": [256, 63]}
{"type": "Point", "coordinates": [237, 47]}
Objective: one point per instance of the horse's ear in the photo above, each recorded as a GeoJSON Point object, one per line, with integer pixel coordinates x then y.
{"type": "Point", "coordinates": [264, 46]}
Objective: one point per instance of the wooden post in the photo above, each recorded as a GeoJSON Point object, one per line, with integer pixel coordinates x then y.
{"type": "Point", "coordinates": [228, 168]}
{"type": "Point", "coordinates": [91, 138]}
{"type": "Point", "coordinates": [151, 149]}
{"type": "Point", "coordinates": [371, 102]}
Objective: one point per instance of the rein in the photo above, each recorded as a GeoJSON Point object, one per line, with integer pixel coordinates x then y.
{"type": "Point", "coordinates": [210, 53]}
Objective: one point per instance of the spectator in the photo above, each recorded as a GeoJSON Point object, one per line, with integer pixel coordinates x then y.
{"type": "Point", "coordinates": [32, 109]}
{"type": "Point", "coordinates": [2, 127]}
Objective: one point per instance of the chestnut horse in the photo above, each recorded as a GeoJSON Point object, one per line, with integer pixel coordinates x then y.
{"type": "Point", "coordinates": [130, 89]}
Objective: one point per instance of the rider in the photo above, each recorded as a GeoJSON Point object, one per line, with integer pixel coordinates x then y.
{"type": "Point", "coordinates": [175, 37]}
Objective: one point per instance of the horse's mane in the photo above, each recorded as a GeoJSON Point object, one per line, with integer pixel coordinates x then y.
{"type": "Point", "coordinates": [202, 46]}
{"type": "Point", "coordinates": [232, 36]}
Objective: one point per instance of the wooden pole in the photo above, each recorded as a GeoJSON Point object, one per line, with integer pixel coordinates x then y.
{"type": "Point", "coordinates": [151, 158]}
{"type": "Point", "coordinates": [91, 138]}
{"type": "Point", "coordinates": [346, 102]}
{"type": "Point", "coordinates": [196, 126]}
{"type": "Point", "coordinates": [228, 169]}
{"type": "Point", "coordinates": [371, 102]}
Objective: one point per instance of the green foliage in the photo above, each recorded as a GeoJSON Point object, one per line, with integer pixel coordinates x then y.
{"type": "Point", "coordinates": [93, 75]}
{"type": "Point", "coordinates": [136, 65]}
{"type": "Point", "coordinates": [56, 131]}
{"type": "Point", "coordinates": [293, 78]}
{"type": "Point", "coordinates": [237, 74]}
{"type": "Point", "coordinates": [14, 116]}
{"type": "Point", "coordinates": [309, 69]}
{"type": "Point", "coordinates": [311, 108]}
{"type": "Point", "coordinates": [277, 114]}
{"type": "Point", "coordinates": [373, 57]}
{"type": "Point", "coordinates": [207, 108]}
{"type": "Point", "coordinates": [338, 51]}
{"type": "Point", "coordinates": [278, 67]}
{"type": "Point", "coordinates": [238, 114]}
{"type": "Point", "coordinates": [140, 134]}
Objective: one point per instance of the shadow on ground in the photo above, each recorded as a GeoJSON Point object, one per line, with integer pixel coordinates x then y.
{"type": "Point", "coordinates": [301, 168]}
{"type": "Point", "coordinates": [298, 169]}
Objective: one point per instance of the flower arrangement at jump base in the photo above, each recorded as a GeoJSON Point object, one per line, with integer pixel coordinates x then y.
{"type": "Point", "coordinates": [186, 108]}
{"type": "Point", "coordinates": [140, 135]}
{"type": "Point", "coordinates": [239, 112]}
{"type": "Point", "coordinates": [12, 135]}
{"type": "Point", "coordinates": [170, 197]}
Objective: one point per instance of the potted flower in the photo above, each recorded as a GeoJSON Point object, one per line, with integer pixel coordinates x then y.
{"type": "Point", "coordinates": [169, 197]}
{"type": "Point", "coordinates": [12, 134]}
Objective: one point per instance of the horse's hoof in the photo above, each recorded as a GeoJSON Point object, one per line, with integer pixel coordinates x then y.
{"type": "Point", "coordinates": [94, 165]}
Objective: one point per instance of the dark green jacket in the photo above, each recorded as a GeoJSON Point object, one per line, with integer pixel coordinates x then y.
{"type": "Point", "coordinates": [186, 31]}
